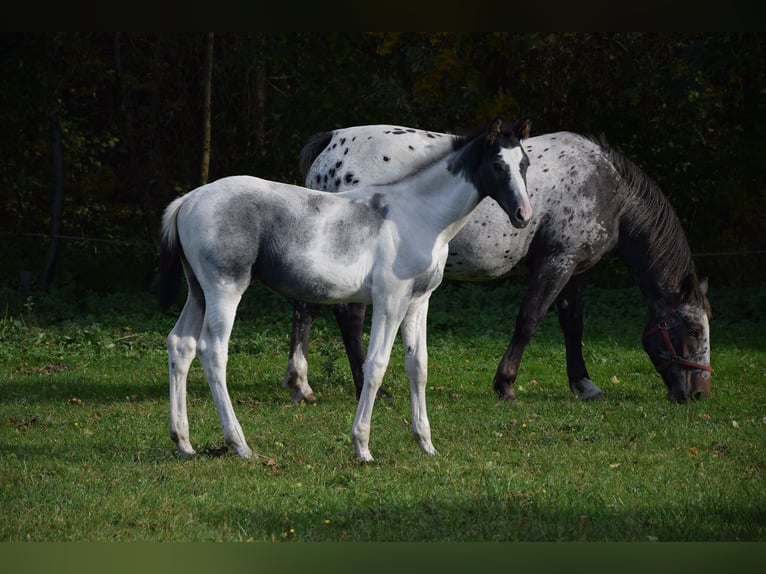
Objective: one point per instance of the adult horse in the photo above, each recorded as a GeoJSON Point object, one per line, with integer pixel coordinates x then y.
{"type": "Point", "coordinates": [588, 200]}
{"type": "Point", "coordinates": [380, 244]}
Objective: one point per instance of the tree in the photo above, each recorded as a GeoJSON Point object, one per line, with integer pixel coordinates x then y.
{"type": "Point", "coordinates": [207, 110]}
{"type": "Point", "coordinates": [57, 196]}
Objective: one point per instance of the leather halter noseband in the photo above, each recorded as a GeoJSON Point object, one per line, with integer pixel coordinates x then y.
{"type": "Point", "coordinates": [662, 327]}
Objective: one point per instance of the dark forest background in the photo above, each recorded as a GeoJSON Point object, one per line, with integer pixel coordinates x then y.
{"type": "Point", "coordinates": [101, 130]}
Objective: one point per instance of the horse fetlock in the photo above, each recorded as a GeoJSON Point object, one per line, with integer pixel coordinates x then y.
{"type": "Point", "coordinates": [183, 446]}
{"type": "Point", "coordinates": [505, 389]}
{"type": "Point", "coordinates": [301, 389]}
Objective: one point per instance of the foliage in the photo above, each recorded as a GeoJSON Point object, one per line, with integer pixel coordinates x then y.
{"type": "Point", "coordinates": [688, 107]}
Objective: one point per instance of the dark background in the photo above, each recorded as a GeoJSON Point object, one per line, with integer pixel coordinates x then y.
{"type": "Point", "coordinates": [101, 130]}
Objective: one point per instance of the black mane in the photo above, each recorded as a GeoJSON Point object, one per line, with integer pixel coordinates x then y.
{"type": "Point", "coordinates": [650, 221]}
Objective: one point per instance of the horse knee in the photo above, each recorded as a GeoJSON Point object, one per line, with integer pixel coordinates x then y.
{"type": "Point", "coordinates": [374, 370]}
{"type": "Point", "coordinates": [181, 347]}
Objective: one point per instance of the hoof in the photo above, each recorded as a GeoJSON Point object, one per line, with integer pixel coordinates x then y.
{"type": "Point", "coordinates": [508, 394]}
{"type": "Point", "coordinates": [586, 390]}
{"type": "Point", "coordinates": [298, 397]}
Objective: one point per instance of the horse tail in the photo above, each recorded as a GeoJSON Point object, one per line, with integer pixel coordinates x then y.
{"type": "Point", "coordinates": [314, 146]}
{"type": "Point", "coordinates": [171, 267]}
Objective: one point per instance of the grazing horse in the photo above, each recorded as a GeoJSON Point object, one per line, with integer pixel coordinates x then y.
{"type": "Point", "coordinates": [381, 244]}
{"type": "Point", "coordinates": [589, 200]}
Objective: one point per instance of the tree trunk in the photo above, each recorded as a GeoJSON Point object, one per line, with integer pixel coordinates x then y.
{"type": "Point", "coordinates": [207, 107]}
{"type": "Point", "coordinates": [57, 198]}
{"type": "Point", "coordinates": [260, 98]}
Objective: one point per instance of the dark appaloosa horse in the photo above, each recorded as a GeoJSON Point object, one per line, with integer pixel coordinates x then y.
{"type": "Point", "coordinates": [588, 200]}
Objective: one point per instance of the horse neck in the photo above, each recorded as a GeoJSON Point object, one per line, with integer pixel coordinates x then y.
{"type": "Point", "coordinates": [439, 197]}
{"type": "Point", "coordinates": [653, 246]}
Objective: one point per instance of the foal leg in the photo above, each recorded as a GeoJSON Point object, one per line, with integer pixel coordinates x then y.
{"type": "Point", "coordinates": [569, 304]}
{"type": "Point", "coordinates": [296, 375]}
{"type": "Point", "coordinates": [413, 331]}
{"type": "Point", "coordinates": [182, 348]}
{"type": "Point", "coordinates": [350, 319]}
{"type": "Point", "coordinates": [213, 351]}
{"type": "Point", "coordinates": [386, 319]}
{"type": "Point", "coordinates": [541, 292]}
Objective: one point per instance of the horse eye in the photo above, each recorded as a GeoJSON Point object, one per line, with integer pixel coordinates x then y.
{"type": "Point", "coordinates": [694, 332]}
{"type": "Point", "coordinates": [499, 166]}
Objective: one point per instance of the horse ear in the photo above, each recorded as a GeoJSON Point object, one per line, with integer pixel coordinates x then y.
{"type": "Point", "coordinates": [690, 285]}
{"type": "Point", "coordinates": [494, 130]}
{"type": "Point", "coordinates": [686, 289]}
{"type": "Point", "coordinates": [521, 129]}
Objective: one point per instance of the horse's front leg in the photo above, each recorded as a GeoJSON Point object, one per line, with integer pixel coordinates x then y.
{"type": "Point", "coordinates": [296, 374]}
{"type": "Point", "coordinates": [541, 291]}
{"type": "Point", "coordinates": [386, 318]}
{"type": "Point", "coordinates": [416, 365]}
{"type": "Point", "coordinates": [569, 304]}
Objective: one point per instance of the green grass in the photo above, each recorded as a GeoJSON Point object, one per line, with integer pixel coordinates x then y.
{"type": "Point", "coordinates": [85, 453]}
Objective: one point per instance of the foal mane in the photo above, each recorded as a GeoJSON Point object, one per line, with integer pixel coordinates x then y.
{"type": "Point", "coordinates": [651, 217]}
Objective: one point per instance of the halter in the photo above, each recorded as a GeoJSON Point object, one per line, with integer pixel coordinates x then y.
{"type": "Point", "coordinates": [662, 327]}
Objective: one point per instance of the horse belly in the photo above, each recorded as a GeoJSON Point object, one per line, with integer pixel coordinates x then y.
{"type": "Point", "coordinates": [313, 277]}
{"type": "Point", "coordinates": [487, 247]}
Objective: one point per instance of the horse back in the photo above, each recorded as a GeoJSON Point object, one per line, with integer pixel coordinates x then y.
{"type": "Point", "coordinates": [369, 155]}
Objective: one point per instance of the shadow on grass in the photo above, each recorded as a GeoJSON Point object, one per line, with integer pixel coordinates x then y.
{"type": "Point", "coordinates": [485, 518]}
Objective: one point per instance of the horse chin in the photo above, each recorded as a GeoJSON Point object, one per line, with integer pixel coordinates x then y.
{"type": "Point", "coordinates": [689, 387]}
{"type": "Point", "coordinates": [519, 222]}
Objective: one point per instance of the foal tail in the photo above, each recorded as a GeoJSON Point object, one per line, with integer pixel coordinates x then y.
{"type": "Point", "coordinates": [314, 146]}
{"type": "Point", "coordinates": [170, 256]}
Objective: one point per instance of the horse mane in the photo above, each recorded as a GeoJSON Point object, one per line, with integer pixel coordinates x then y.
{"type": "Point", "coordinates": [311, 150]}
{"type": "Point", "coordinates": [651, 217]}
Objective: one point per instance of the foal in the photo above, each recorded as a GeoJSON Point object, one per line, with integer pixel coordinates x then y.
{"type": "Point", "coordinates": [382, 245]}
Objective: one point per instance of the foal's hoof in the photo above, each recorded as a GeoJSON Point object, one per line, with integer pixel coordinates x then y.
{"type": "Point", "coordinates": [243, 451]}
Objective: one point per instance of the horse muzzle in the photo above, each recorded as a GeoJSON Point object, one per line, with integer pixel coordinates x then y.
{"type": "Point", "coordinates": [690, 385]}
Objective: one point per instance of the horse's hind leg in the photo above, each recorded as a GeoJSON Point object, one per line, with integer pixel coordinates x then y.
{"type": "Point", "coordinates": [413, 331]}
{"type": "Point", "coordinates": [182, 347]}
{"type": "Point", "coordinates": [350, 319]}
{"type": "Point", "coordinates": [296, 375]}
{"type": "Point", "coordinates": [213, 349]}
{"type": "Point", "coordinates": [569, 304]}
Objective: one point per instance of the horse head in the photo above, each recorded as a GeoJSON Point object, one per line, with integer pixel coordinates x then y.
{"type": "Point", "coordinates": [677, 340]}
{"type": "Point", "coordinates": [503, 173]}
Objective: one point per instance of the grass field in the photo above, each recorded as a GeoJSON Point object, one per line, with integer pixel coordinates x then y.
{"type": "Point", "coordinates": [85, 453]}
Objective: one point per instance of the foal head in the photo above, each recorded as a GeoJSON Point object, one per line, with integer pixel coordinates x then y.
{"type": "Point", "coordinates": [500, 168]}
{"type": "Point", "coordinates": [678, 343]}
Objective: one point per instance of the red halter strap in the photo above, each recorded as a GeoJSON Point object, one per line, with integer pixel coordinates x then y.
{"type": "Point", "coordinates": [662, 327]}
